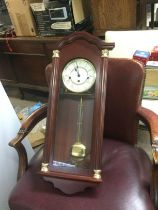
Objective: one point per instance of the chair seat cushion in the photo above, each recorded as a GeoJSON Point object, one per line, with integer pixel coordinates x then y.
{"type": "Point", "coordinates": [126, 184]}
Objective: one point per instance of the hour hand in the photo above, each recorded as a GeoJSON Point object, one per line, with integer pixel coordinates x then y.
{"type": "Point", "coordinates": [76, 69]}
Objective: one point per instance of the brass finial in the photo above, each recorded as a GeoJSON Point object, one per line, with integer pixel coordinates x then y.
{"type": "Point", "coordinates": [97, 174]}
{"type": "Point", "coordinates": [55, 53]}
{"type": "Point", "coordinates": [105, 53]}
{"type": "Point", "coordinates": [44, 167]}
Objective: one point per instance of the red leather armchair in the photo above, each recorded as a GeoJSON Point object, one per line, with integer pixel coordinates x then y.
{"type": "Point", "coordinates": [128, 181]}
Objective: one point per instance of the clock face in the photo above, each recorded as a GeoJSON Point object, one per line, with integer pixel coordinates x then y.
{"type": "Point", "coordinates": [79, 75]}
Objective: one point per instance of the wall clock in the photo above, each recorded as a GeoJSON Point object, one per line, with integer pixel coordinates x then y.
{"type": "Point", "coordinates": [75, 121]}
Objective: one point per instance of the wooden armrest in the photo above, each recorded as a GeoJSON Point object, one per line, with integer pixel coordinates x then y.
{"type": "Point", "coordinates": [26, 127]}
{"type": "Point", "coordinates": [151, 120]}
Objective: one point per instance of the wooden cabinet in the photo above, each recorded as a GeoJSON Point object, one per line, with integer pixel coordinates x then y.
{"type": "Point", "coordinates": [6, 69]}
{"type": "Point", "coordinates": [23, 61]}
{"type": "Point", "coordinates": [113, 15]}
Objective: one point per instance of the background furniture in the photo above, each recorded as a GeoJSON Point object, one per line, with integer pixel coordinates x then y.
{"type": "Point", "coordinates": [143, 13]}
{"type": "Point", "coordinates": [127, 170]}
{"type": "Point", "coordinates": [23, 60]}
{"type": "Point", "coordinates": [128, 41]}
{"type": "Point", "coordinates": [113, 15]}
{"type": "Point", "coordinates": [125, 47]}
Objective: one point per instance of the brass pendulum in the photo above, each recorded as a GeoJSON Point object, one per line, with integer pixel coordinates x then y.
{"type": "Point", "coordinates": [79, 149]}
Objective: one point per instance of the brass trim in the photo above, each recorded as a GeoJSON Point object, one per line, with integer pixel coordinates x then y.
{"type": "Point", "coordinates": [55, 53]}
{"type": "Point", "coordinates": [97, 174]}
{"type": "Point", "coordinates": [105, 53]}
{"type": "Point", "coordinates": [155, 155]}
{"type": "Point", "coordinates": [44, 167]}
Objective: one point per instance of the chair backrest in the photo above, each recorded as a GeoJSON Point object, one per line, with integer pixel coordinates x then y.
{"type": "Point", "coordinates": [124, 89]}
{"type": "Point", "coordinates": [125, 81]}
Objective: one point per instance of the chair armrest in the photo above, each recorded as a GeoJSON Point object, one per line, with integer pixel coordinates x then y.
{"type": "Point", "coordinates": [25, 128]}
{"type": "Point", "coordinates": [151, 121]}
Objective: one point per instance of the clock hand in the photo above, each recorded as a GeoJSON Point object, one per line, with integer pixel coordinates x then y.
{"type": "Point", "coordinates": [76, 69]}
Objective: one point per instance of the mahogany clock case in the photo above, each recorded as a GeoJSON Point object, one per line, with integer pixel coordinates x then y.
{"type": "Point", "coordinates": [65, 109]}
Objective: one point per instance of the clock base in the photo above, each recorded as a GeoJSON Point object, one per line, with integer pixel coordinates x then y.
{"type": "Point", "coordinates": [69, 187]}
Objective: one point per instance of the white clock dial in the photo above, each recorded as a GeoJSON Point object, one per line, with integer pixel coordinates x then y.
{"type": "Point", "coordinates": [79, 75]}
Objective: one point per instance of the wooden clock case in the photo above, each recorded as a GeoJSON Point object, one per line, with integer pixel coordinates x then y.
{"type": "Point", "coordinates": [73, 174]}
